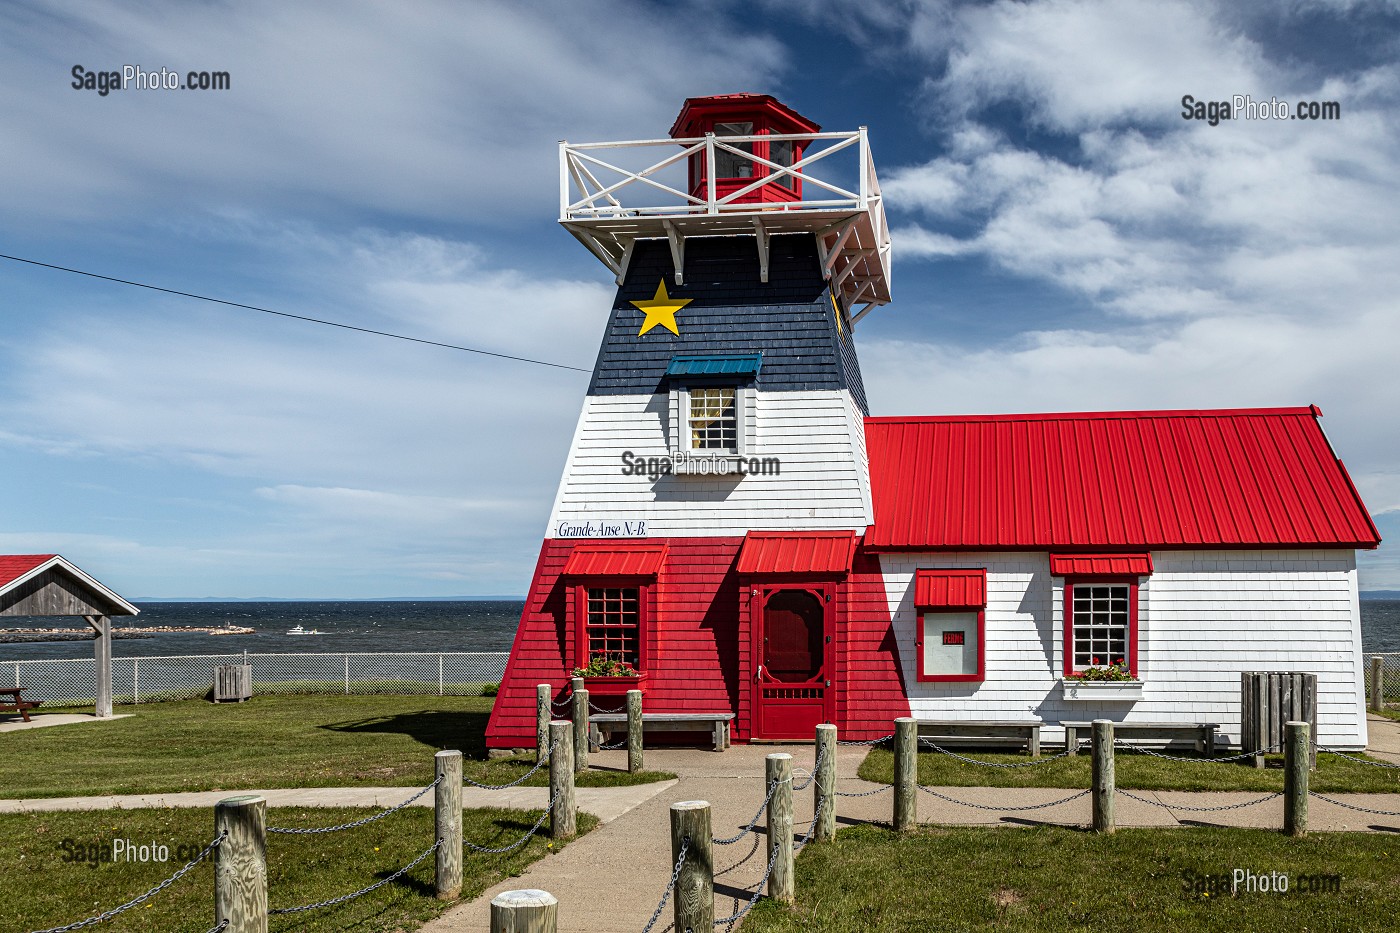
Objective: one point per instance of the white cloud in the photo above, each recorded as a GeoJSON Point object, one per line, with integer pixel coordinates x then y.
{"type": "Point", "coordinates": [433, 109]}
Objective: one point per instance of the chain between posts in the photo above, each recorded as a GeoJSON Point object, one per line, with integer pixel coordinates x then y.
{"type": "Point", "coordinates": [350, 897]}
{"type": "Point", "coordinates": [1360, 761]}
{"type": "Point", "coordinates": [811, 775]}
{"type": "Point", "coordinates": [883, 738]}
{"type": "Point", "coordinates": [929, 743]}
{"type": "Point", "coordinates": [980, 806]}
{"type": "Point", "coordinates": [1119, 743]}
{"type": "Point", "coordinates": [548, 808]}
{"type": "Point", "coordinates": [1352, 806]}
{"type": "Point", "coordinates": [524, 777]}
{"type": "Point", "coordinates": [141, 899]}
{"type": "Point", "coordinates": [1173, 806]}
{"type": "Point", "coordinates": [367, 820]}
{"type": "Point", "coordinates": [666, 895]}
{"type": "Point", "coordinates": [758, 891]}
{"type": "Point", "coordinates": [865, 793]}
{"type": "Point", "coordinates": [772, 789]}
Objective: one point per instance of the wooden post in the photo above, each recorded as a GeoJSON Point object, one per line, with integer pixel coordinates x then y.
{"type": "Point", "coordinates": [543, 714]}
{"type": "Point", "coordinates": [1103, 776]}
{"type": "Point", "coordinates": [824, 795]}
{"type": "Point", "coordinates": [694, 896]}
{"type": "Point", "coordinates": [580, 725]}
{"type": "Point", "coordinates": [447, 808]}
{"type": "Point", "coordinates": [563, 818]}
{"type": "Point", "coordinates": [634, 731]}
{"type": "Point", "coordinates": [906, 773]}
{"type": "Point", "coordinates": [102, 653]}
{"type": "Point", "coordinates": [527, 911]}
{"type": "Point", "coordinates": [777, 774]}
{"type": "Point", "coordinates": [1377, 683]}
{"type": "Point", "coordinates": [240, 864]}
{"type": "Point", "coordinates": [1295, 779]}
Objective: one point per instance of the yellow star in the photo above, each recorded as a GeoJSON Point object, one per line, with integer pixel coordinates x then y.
{"type": "Point", "coordinates": [660, 310]}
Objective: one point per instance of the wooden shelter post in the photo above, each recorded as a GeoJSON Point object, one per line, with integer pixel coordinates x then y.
{"type": "Point", "coordinates": [102, 651]}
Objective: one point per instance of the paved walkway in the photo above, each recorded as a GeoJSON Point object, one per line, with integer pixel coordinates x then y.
{"type": "Point", "coordinates": [40, 720]}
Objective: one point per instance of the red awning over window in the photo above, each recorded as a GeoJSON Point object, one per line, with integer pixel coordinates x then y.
{"type": "Point", "coordinates": [810, 552]}
{"type": "Point", "coordinates": [950, 589]}
{"type": "Point", "coordinates": [1100, 565]}
{"type": "Point", "coordinates": [634, 559]}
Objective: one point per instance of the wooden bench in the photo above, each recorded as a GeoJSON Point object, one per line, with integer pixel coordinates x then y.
{"type": "Point", "coordinates": [17, 703]}
{"type": "Point", "coordinates": [1027, 732]}
{"type": "Point", "coordinates": [1202, 733]}
{"type": "Point", "coordinates": [717, 723]}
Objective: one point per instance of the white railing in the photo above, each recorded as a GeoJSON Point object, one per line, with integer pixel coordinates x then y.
{"type": "Point", "coordinates": [60, 682]}
{"type": "Point", "coordinates": [583, 195]}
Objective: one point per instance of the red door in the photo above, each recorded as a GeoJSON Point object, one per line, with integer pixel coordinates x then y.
{"type": "Point", "coordinates": [791, 686]}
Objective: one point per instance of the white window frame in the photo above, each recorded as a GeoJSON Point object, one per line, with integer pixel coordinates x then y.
{"type": "Point", "coordinates": [680, 436]}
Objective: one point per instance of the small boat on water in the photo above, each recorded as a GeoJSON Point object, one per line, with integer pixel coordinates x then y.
{"type": "Point", "coordinates": [298, 630]}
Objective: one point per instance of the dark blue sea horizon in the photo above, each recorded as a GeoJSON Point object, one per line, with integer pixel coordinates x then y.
{"type": "Point", "coordinates": [426, 625]}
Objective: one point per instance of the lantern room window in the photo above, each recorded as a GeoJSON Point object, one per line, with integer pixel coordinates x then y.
{"type": "Point", "coordinates": [727, 164]}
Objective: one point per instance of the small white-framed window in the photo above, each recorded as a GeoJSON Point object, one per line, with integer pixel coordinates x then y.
{"type": "Point", "coordinates": [709, 421]}
{"type": "Point", "coordinates": [712, 419]}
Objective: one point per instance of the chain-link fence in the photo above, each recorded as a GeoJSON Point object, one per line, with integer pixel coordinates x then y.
{"type": "Point", "coordinates": [1390, 677]}
{"type": "Point", "coordinates": [73, 682]}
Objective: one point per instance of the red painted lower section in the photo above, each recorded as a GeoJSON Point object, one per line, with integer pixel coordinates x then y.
{"type": "Point", "coordinates": [699, 644]}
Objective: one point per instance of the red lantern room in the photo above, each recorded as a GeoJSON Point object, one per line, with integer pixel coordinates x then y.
{"type": "Point", "coordinates": [757, 123]}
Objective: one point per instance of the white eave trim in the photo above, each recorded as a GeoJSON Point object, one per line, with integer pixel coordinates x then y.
{"type": "Point", "coordinates": [59, 561]}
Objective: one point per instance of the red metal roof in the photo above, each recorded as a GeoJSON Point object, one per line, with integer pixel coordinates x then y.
{"type": "Point", "coordinates": [1253, 477]}
{"type": "Point", "coordinates": [1100, 565]}
{"type": "Point", "coordinates": [14, 566]}
{"type": "Point", "coordinates": [629, 559]}
{"type": "Point", "coordinates": [797, 552]}
{"type": "Point", "coordinates": [950, 589]}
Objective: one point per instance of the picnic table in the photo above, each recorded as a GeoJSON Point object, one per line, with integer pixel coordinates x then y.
{"type": "Point", "coordinates": [16, 702]}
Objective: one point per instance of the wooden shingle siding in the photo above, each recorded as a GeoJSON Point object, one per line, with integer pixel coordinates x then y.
{"type": "Point", "coordinates": [1204, 617]}
{"type": "Point", "coordinates": [822, 483]}
{"type": "Point", "coordinates": [693, 638]}
{"type": "Point", "coordinates": [790, 320]}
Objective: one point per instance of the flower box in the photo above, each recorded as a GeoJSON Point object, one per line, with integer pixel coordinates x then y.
{"type": "Point", "coordinates": [614, 686]}
{"type": "Point", "coordinates": [1102, 691]}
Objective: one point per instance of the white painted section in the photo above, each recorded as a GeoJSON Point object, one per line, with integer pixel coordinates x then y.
{"type": "Point", "coordinates": [818, 438]}
{"type": "Point", "coordinates": [1204, 617]}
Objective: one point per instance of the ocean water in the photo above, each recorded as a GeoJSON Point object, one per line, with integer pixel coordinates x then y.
{"type": "Point", "coordinates": [478, 625]}
{"type": "Point", "coordinates": [430, 625]}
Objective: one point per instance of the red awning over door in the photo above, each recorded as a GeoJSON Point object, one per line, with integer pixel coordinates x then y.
{"type": "Point", "coordinates": [797, 552]}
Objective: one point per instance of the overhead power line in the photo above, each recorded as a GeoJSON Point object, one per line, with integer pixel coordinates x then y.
{"type": "Point", "coordinates": [295, 317]}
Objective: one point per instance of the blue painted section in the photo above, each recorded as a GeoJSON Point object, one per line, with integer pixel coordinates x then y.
{"type": "Point", "coordinates": [747, 365]}
{"type": "Point", "coordinates": [789, 321]}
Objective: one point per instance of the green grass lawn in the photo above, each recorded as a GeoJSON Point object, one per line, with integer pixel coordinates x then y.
{"type": "Point", "coordinates": [1132, 771]}
{"type": "Point", "coordinates": [1049, 879]}
{"type": "Point", "coordinates": [267, 742]}
{"type": "Point", "coordinates": [44, 886]}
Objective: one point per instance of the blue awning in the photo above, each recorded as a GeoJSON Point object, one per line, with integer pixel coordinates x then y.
{"type": "Point", "coordinates": [744, 365]}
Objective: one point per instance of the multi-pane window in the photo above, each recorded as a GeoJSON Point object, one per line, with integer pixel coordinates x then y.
{"type": "Point", "coordinates": [780, 153]}
{"type": "Point", "coordinates": [1100, 624]}
{"type": "Point", "coordinates": [727, 164]}
{"type": "Point", "coordinates": [714, 419]}
{"type": "Point", "coordinates": [614, 623]}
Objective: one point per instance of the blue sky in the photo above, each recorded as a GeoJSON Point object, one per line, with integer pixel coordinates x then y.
{"type": "Point", "coordinates": [1064, 241]}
